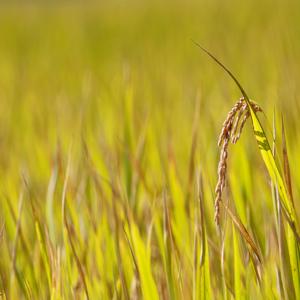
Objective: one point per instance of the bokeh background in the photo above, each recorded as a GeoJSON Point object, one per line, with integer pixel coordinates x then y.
{"type": "Point", "coordinates": [65, 67]}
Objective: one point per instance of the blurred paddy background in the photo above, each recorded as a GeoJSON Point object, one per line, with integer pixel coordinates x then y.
{"type": "Point", "coordinates": [100, 104]}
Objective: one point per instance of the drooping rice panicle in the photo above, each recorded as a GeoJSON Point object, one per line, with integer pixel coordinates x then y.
{"type": "Point", "coordinates": [231, 131]}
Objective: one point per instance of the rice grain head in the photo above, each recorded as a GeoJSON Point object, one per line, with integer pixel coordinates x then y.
{"type": "Point", "coordinates": [231, 132]}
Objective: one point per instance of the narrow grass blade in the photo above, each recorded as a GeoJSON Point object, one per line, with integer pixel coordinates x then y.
{"type": "Point", "coordinates": [44, 254]}
{"type": "Point", "coordinates": [293, 245]}
{"type": "Point", "coordinates": [205, 283]}
{"type": "Point", "coordinates": [201, 266]}
{"type": "Point", "coordinates": [286, 164]}
{"type": "Point", "coordinates": [238, 267]}
{"type": "Point", "coordinates": [143, 263]}
{"type": "Point", "coordinates": [294, 254]}
{"type": "Point", "coordinates": [180, 225]}
{"type": "Point", "coordinates": [68, 230]}
{"type": "Point", "coordinates": [244, 233]}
